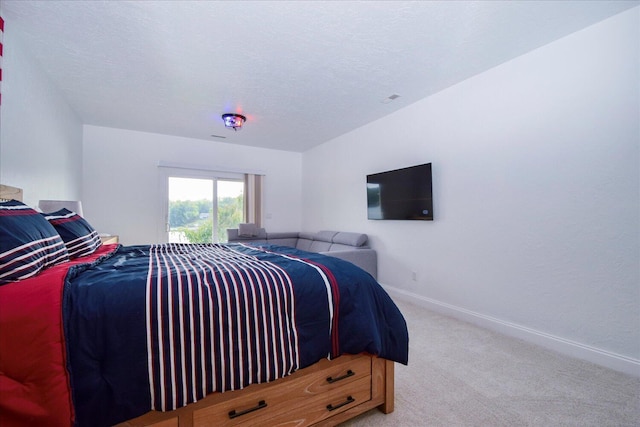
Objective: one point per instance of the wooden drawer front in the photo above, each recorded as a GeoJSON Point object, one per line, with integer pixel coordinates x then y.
{"type": "Point", "coordinates": [303, 399]}
{"type": "Point", "coordinates": [173, 422]}
{"type": "Point", "coordinates": [320, 407]}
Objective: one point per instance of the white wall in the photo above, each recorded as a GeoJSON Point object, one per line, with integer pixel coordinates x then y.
{"type": "Point", "coordinates": [121, 191]}
{"type": "Point", "coordinates": [536, 194]}
{"type": "Point", "coordinates": [40, 136]}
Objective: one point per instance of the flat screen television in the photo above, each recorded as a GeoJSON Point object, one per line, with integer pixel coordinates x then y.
{"type": "Point", "coordinates": [401, 194]}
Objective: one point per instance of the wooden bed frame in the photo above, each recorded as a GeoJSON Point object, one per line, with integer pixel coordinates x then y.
{"type": "Point", "coordinates": [324, 394]}
{"type": "Point", "coordinates": [7, 192]}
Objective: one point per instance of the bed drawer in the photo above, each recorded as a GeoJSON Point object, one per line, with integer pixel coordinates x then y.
{"type": "Point", "coordinates": [173, 422]}
{"type": "Point", "coordinates": [305, 400]}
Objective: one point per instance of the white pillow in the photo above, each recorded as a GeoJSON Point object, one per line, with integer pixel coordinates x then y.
{"type": "Point", "coordinates": [247, 230]}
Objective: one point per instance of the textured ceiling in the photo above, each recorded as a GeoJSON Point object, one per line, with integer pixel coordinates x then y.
{"type": "Point", "coordinates": [302, 72]}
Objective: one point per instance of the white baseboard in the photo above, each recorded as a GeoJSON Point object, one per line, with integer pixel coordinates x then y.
{"type": "Point", "coordinates": [567, 347]}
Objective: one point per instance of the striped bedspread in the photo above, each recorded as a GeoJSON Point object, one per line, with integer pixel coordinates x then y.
{"type": "Point", "coordinates": [215, 317]}
{"type": "Point", "coordinates": [161, 326]}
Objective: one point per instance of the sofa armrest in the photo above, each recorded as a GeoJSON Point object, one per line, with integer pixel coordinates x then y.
{"type": "Point", "coordinates": [366, 259]}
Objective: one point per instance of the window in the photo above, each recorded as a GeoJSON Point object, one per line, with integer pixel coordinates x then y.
{"type": "Point", "coordinates": [200, 205]}
{"type": "Point", "coordinates": [201, 210]}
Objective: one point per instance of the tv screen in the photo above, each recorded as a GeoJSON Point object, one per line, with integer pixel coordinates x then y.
{"type": "Point", "coordinates": [403, 194]}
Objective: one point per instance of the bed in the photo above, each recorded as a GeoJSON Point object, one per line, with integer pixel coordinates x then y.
{"type": "Point", "coordinates": [193, 335]}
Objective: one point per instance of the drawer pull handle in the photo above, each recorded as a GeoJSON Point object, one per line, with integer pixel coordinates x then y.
{"type": "Point", "coordinates": [261, 404]}
{"type": "Point", "coordinates": [349, 373]}
{"type": "Point", "coordinates": [332, 407]}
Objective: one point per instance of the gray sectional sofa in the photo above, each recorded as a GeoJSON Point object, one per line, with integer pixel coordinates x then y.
{"type": "Point", "coordinates": [349, 246]}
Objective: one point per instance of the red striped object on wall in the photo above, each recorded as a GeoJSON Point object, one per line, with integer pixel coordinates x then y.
{"type": "Point", "coordinates": [1, 33]}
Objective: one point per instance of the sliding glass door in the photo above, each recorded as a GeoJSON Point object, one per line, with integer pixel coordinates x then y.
{"type": "Point", "coordinates": [230, 207]}
{"type": "Point", "coordinates": [202, 208]}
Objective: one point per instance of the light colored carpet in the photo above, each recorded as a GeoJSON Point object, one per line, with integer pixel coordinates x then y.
{"type": "Point", "coordinates": [462, 375]}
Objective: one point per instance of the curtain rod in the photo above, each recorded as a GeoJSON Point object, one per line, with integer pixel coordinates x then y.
{"type": "Point", "coordinates": [210, 168]}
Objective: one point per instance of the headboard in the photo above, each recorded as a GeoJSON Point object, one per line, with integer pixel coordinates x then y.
{"type": "Point", "coordinates": [7, 192]}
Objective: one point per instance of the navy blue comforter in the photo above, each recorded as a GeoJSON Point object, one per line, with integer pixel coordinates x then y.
{"type": "Point", "coordinates": [160, 326]}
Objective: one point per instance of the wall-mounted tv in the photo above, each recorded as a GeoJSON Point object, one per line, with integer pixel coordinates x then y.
{"type": "Point", "coordinates": [401, 194]}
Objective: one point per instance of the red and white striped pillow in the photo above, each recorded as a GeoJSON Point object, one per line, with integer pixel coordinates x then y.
{"type": "Point", "coordinates": [1, 33]}
{"type": "Point", "coordinates": [78, 235]}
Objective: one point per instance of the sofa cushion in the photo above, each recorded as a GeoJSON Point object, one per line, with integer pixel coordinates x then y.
{"type": "Point", "coordinates": [304, 241]}
{"type": "Point", "coordinates": [285, 241]}
{"type": "Point", "coordinates": [247, 230]}
{"type": "Point", "coordinates": [233, 235]}
{"type": "Point", "coordinates": [320, 246]}
{"type": "Point", "coordinates": [283, 238]}
{"type": "Point", "coordinates": [350, 239]}
{"type": "Point", "coordinates": [325, 236]}
{"type": "Point", "coordinates": [283, 235]}
{"type": "Point", "coordinates": [341, 247]}
{"type": "Point", "coordinates": [304, 244]}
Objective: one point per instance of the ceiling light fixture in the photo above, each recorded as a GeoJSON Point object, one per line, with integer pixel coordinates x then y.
{"type": "Point", "coordinates": [234, 121]}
